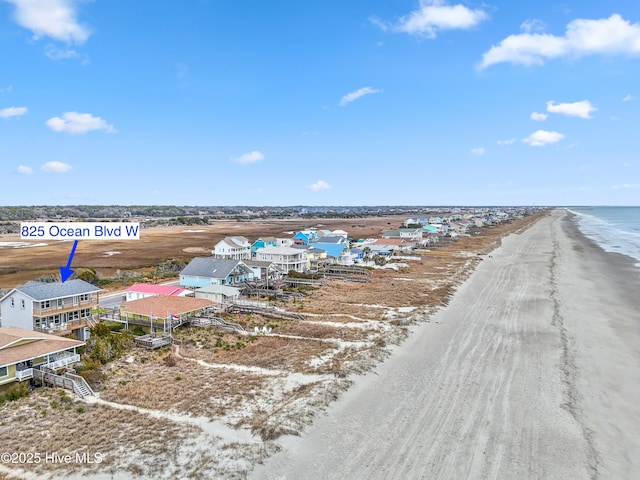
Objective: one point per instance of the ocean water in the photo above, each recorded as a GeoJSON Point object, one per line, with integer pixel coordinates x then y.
{"type": "Point", "coordinates": [615, 229]}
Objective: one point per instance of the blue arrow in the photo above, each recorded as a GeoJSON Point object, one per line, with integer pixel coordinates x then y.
{"type": "Point", "coordinates": [66, 272]}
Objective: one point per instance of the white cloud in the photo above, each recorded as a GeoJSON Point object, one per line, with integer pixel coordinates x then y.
{"type": "Point", "coordinates": [56, 167]}
{"type": "Point", "coordinates": [78, 123]}
{"type": "Point", "coordinates": [540, 138]}
{"type": "Point", "coordinates": [582, 109]}
{"type": "Point", "coordinates": [606, 36]}
{"type": "Point", "coordinates": [50, 18]}
{"type": "Point", "coordinates": [6, 89]}
{"type": "Point", "coordinates": [361, 92]}
{"type": "Point", "coordinates": [629, 98]}
{"type": "Point", "coordinates": [533, 25]}
{"type": "Point", "coordinates": [478, 151]}
{"type": "Point", "coordinates": [250, 157]}
{"type": "Point", "coordinates": [13, 112]}
{"type": "Point", "coordinates": [509, 141]}
{"type": "Point", "coordinates": [60, 54]}
{"type": "Point", "coordinates": [539, 117]}
{"type": "Point", "coordinates": [319, 185]}
{"type": "Point", "coordinates": [433, 16]}
{"type": "Point", "coordinates": [24, 170]}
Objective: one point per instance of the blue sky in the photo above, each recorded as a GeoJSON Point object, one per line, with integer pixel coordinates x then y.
{"type": "Point", "coordinates": [365, 102]}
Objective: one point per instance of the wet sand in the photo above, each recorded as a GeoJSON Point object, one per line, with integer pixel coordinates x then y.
{"type": "Point", "coordinates": [532, 371]}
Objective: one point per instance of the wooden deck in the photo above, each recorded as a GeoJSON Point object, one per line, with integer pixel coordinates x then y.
{"type": "Point", "coordinates": [264, 310]}
{"type": "Point", "coordinates": [152, 342]}
{"type": "Point", "coordinates": [349, 273]}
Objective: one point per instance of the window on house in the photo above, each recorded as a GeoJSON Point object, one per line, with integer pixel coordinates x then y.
{"type": "Point", "coordinates": [84, 297]}
{"type": "Point", "coordinates": [4, 371]}
{"type": "Point", "coordinates": [13, 303]}
{"type": "Point", "coordinates": [22, 303]}
{"type": "Point", "coordinates": [45, 304]}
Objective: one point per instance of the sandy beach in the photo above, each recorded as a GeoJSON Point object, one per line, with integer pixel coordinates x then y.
{"type": "Point", "coordinates": [532, 371]}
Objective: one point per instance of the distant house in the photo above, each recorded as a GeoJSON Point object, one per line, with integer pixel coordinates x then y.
{"type": "Point", "coordinates": [263, 242]}
{"type": "Point", "coordinates": [270, 242]}
{"type": "Point", "coordinates": [204, 271]}
{"type": "Point", "coordinates": [22, 350]}
{"type": "Point", "coordinates": [142, 290]}
{"type": "Point", "coordinates": [339, 233]}
{"type": "Point", "coordinates": [56, 308]}
{"type": "Point", "coordinates": [305, 237]}
{"type": "Point", "coordinates": [218, 293]}
{"type": "Point", "coordinates": [391, 244]}
{"type": "Point", "coordinates": [233, 248]}
{"type": "Point", "coordinates": [404, 233]}
{"type": "Point", "coordinates": [316, 257]}
{"type": "Point", "coordinates": [337, 248]}
{"type": "Point", "coordinates": [264, 270]}
{"type": "Point", "coordinates": [286, 258]}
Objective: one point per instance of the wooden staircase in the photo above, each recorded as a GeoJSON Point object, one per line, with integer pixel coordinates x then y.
{"type": "Point", "coordinates": [69, 381]}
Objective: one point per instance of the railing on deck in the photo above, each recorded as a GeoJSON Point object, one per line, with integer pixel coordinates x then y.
{"type": "Point", "coordinates": [24, 374]}
{"type": "Point", "coordinates": [62, 361]}
{"type": "Point", "coordinates": [63, 327]}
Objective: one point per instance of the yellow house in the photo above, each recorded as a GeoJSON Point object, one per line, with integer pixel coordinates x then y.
{"type": "Point", "coordinates": [22, 351]}
{"type": "Point", "coordinates": [316, 257]}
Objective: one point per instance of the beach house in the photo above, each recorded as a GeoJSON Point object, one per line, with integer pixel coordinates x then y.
{"type": "Point", "coordinates": [232, 248]}
{"type": "Point", "coordinates": [204, 271]}
{"type": "Point", "coordinates": [286, 258]}
{"type": "Point", "coordinates": [59, 308]}
{"type": "Point", "coordinates": [23, 350]}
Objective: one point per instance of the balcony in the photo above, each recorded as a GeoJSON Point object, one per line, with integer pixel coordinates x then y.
{"type": "Point", "coordinates": [63, 328]}
{"type": "Point", "coordinates": [66, 307]}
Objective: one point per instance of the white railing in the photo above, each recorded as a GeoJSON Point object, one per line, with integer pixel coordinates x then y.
{"type": "Point", "coordinates": [24, 374]}
{"type": "Point", "coordinates": [63, 361]}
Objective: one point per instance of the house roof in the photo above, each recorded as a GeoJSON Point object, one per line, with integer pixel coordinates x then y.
{"type": "Point", "coordinates": [258, 263]}
{"type": "Point", "coordinates": [236, 241]}
{"type": "Point", "coordinates": [223, 289]}
{"type": "Point", "coordinates": [162, 306]}
{"type": "Point", "coordinates": [210, 267]}
{"type": "Point", "coordinates": [332, 249]}
{"type": "Point", "coordinates": [266, 239]}
{"type": "Point", "coordinates": [156, 289]}
{"type": "Point", "coordinates": [331, 239]}
{"type": "Point", "coordinates": [40, 344]}
{"type": "Point", "coordinates": [281, 250]}
{"type": "Point", "coordinates": [47, 291]}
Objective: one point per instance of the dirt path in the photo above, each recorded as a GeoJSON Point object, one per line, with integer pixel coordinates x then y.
{"type": "Point", "coordinates": [487, 390]}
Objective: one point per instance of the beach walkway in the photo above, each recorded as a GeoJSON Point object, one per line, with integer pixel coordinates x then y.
{"type": "Point", "coordinates": [532, 371]}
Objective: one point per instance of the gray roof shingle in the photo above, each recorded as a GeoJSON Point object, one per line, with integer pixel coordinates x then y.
{"type": "Point", "coordinates": [48, 291]}
{"type": "Point", "coordinates": [210, 267]}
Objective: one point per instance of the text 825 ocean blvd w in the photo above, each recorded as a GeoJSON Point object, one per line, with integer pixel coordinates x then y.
{"type": "Point", "coordinates": [80, 230]}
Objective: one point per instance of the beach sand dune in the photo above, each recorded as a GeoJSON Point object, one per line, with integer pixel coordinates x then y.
{"type": "Point", "coordinates": [532, 371]}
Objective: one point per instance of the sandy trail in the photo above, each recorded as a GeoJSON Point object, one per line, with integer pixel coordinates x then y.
{"type": "Point", "coordinates": [496, 386]}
